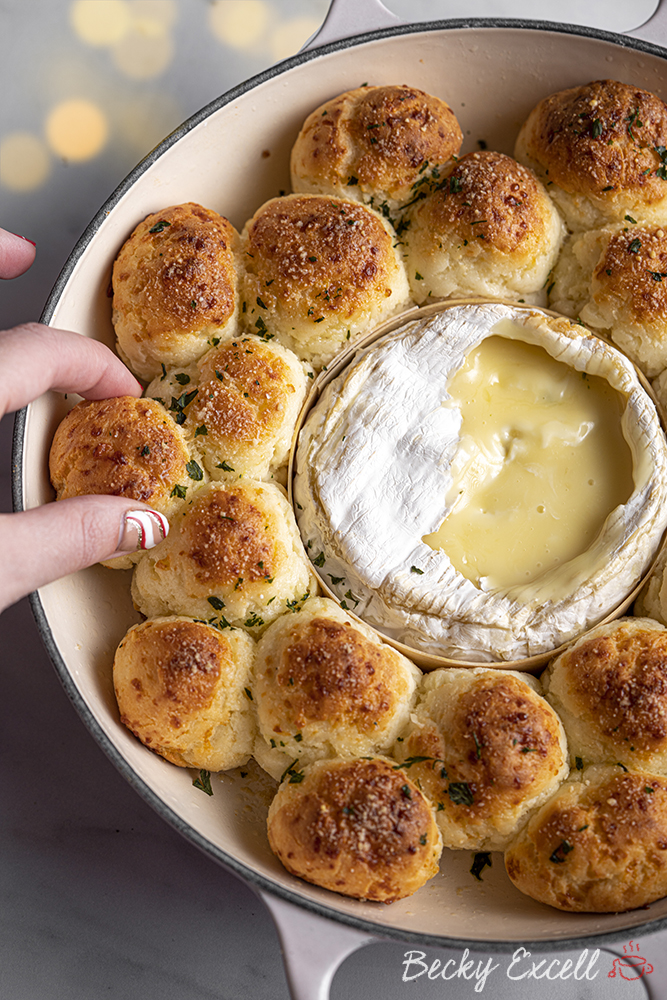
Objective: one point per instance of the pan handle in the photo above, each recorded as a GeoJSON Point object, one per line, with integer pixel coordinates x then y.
{"type": "Point", "coordinates": [655, 29]}
{"type": "Point", "coordinates": [312, 947]}
{"type": "Point", "coordinates": [652, 973]}
{"type": "Point", "coordinates": [347, 18]}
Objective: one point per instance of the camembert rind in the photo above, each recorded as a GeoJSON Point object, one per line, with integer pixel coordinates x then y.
{"type": "Point", "coordinates": [373, 466]}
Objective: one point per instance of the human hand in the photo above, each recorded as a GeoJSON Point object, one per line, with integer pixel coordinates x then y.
{"type": "Point", "coordinates": [42, 544]}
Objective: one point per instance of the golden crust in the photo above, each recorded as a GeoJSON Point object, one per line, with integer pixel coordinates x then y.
{"type": "Point", "coordinates": [326, 686]}
{"type": "Point", "coordinates": [600, 140]}
{"type": "Point", "coordinates": [232, 549]}
{"type": "Point", "coordinates": [180, 687]}
{"type": "Point", "coordinates": [122, 447]}
{"type": "Point", "coordinates": [599, 845]}
{"type": "Point", "coordinates": [374, 142]}
{"type": "Point", "coordinates": [357, 827]}
{"type": "Point", "coordinates": [318, 269]}
{"type": "Point", "coordinates": [610, 691]}
{"type": "Point", "coordinates": [174, 284]}
{"type": "Point", "coordinates": [494, 748]}
{"type": "Point", "coordinates": [629, 275]}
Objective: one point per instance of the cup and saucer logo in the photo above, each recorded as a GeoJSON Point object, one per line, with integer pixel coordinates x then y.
{"type": "Point", "coordinates": [633, 966]}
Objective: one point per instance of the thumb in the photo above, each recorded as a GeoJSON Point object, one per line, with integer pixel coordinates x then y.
{"type": "Point", "coordinates": [42, 544]}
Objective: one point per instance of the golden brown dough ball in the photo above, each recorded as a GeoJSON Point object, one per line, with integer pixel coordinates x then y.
{"type": "Point", "coordinates": [124, 447]}
{"type": "Point", "coordinates": [238, 405]}
{"type": "Point", "coordinates": [358, 827]}
{"type": "Point", "coordinates": [375, 144]}
{"type": "Point", "coordinates": [325, 686]}
{"type": "Point", "coordinates": [174, 284]}
{"type": "Point", "coordinates": [598, 149]}
{"type": "Point", "coordinates": [615, 280]}
{"type": "Point", "coordinates": [652, 601]}
{"type": "Point", "coordinates": [182, 689]}
{"type": "Point", "coordinates": [610, 691]}
{"type": "Point", "coordinates": [233, 554]}
{"type": "Point", "coordinates": [486, 749]}
{"type": "Point", "coordinates": [490, 229]}
{"type": "Point", "coordinates": [599, 845]}
{"type": "Point", "coordinates": [318, 272]}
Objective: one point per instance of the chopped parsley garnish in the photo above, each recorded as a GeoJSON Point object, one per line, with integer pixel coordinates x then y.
{"type": "Point", "coordinates": [335, 580]}
{"type": "Point", "coordinates": [203, 782]}
{"type": "Point", "coordinates": [202, 430]}
{"type": "Point", "coordinates": [596, 129]}
{"type": "Point", "coordinates": [635, 246]}
{"type": "Point", "coordinates": [558, 856]}
{"type": "Point", "coordinates": [248, 693]}
{"type": "Point", "coordinates": [578, 763]}
{"type": "Point", "coordinates": [480, 861]}
{"type": "Point", "coordinates": [405, 792]}
{"type": "Point", "coordinates": [194, 470]}
{"type": "Point", "coordinates": [182, 378]}
{"type": "Point", "coordinates": [460, 793]}
{"type": "Point", "coordinates": [145, 451]}
{"type": "Point", "coordinates": [216, 603]}
{"type": "Point", "coordinates": [225, 466]}
{"type": "Point", "coordinates": [351, 181]}
{"type": "Point", "coordinates": [254, 621]}
{"type": "Point", "coordinates": [179, 491]}
{"type": "Point", "coordinates": [158, 227]}
{"type": "Point", "coordinates": [319, 560]}
{"type": "Point", "coordinates": [415, 569]}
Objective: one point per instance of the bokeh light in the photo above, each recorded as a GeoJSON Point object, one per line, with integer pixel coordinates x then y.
{"type": "Point", "coordinates": [24, 161]}
{"type": "Point", "coordinates": [239, 23]}
{"type": "Point", "coordinates": [100, 22]}
{"type": "Point", "coordinates": [145, 52]}
{"type": "Point", "coordinates": [290, 36]}
{"type": "Point", "coordinates": [77, 129]}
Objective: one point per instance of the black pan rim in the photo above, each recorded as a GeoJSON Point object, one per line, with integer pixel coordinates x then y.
{"type": "Point", "coordinates": [259, 882]}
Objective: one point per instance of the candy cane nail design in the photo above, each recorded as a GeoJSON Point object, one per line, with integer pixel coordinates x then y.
{"type": "Point", "coordinates": [142, 529]}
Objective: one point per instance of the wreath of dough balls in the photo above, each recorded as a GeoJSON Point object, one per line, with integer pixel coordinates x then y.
{"type": "Point", "coordinates": [238, 405]}
{"type": "Point", "coordinates": [357, 827]}
{"type": "Point", "coordinates": [489, 229]}
{"type": "Point", "coordinates": [319, 272]}
{"type": "Point", "coordinates": [599, 845]}
{"type": "Point", "coordinates": [610, 692]}
{"type": "Point", "coordinates": [182, 689]}
{"type": "Point", "coordinates": [614, 279]}
{"type": "Point", "coordinates": [174, 288]}
{"type": "Point", "coordinates": [375, 144]}
{"type": "Point", "coordinates": [326, 686]}
{"type": "Point", "coordinates": [600, 149]}
{"type": "Point", "coordinates": [233, 550]}
{"type": "Point", "coordinates": [486, 748]}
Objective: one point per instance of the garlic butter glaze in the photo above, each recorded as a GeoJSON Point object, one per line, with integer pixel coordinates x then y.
{"type": "Point", "coordinates": [376, 467]}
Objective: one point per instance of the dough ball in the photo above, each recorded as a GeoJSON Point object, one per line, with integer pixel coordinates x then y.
{"type": "Point", "coordinates": [325, 686]}
{"type": "Point", "coordinates": [233, 555]}
{"type": "Point", "coordinates": [238, 405]}
{"type": "Point", "coordinates": [486, 748]}
{"type": "Point", "coordinates": [490, 229]}
{"type": "Point", "coordinates": [597, 148]}
{"type": "Point", "coordinates": [357, 827]}
{"type": "Point", "coordinates": [615, 280]}
{"type": "Point", "coordinates": [375, 144]}
{"type": "Point", "coordinates": [319, 272]}
{"type": "Point", "coordinates": [174, 288]}
{"type": "Point", "coordinates": [599, 845]}
{"type": "Point", "coordinates": [182, 689]}
{"type": "Point", "coordinates": [610, 691]}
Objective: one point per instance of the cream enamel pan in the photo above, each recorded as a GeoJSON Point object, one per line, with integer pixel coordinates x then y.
{"type": "Point", "coordinates": [491, 73]}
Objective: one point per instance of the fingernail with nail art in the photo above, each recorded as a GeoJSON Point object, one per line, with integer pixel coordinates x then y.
{"type": "Point", "coordinates": [141, 529]}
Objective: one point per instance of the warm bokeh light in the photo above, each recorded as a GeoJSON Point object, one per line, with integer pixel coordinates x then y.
{"type": "Point", "coordinates": [289, 37]}
{"type": "Point", "coordinates": [161, 12]}
{"type": "Point", "coordinates": [24, 161]}
{"type": "Point", "coordinates": [100, 22]}
{"type": "Point", "coordinates": [145, 52]}
{"type": "Point", "coordinates": [77, 129]}
{"type": "Point", "coordinates": [239, 23]}
{"type": "Point", "coordinates": [142, 123]}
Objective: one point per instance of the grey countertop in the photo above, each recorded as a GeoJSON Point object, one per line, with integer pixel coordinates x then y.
{"type": "Point", "coordinates": [100, 898]}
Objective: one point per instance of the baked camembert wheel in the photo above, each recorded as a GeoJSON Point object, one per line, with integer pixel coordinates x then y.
{"type": "Point", "coordinates": [485, 483]}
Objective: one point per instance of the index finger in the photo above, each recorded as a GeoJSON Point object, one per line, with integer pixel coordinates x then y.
{"type": "Point", "coordinates": [35, 358]}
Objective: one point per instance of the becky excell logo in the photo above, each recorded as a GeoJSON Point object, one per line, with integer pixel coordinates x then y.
{"type": "Point", "coordinates": [633, 966]}
{"type": "Point", "coordinates": [522, 965]}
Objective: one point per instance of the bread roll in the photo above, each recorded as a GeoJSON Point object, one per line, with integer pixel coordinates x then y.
{"type": "Point", "coordinates": [490, 229]}
{"type": "Point", "coordinates": [182, 688]}
{"type": "Point", "coordinates": [357, 827]}
{"type": "Point", "coordinates": [238, 405]}
{"type": "Point", "coordinates": [381, 145]}
{"type": "Point", "coordinates": [615, 279]}
{"type": "Point", "coordinates": [486, 748]}
{"type": "Point", "coordinates": [233, 555]}
{"type": "Point", "coordinates": [124, 447]}
{"type": "Point", "coordinates": [318, 272]}
{"type": "Point", "coordinates": [610, 691]}
{"type": "Point", "coordinates": [599, 845]}
{"type": "Point", "coordinates": [326, 686]}
{"type": "Point", "coordinates": [174, 288]}
{"type": "Point", "coordinates": [598, 150]}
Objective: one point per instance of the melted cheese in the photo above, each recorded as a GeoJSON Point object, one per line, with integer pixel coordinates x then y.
{"type": "Point", "coordinates": [541, 463]}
